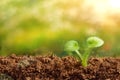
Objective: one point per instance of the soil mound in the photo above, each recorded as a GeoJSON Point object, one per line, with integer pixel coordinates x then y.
{"type": "Point", "coordinates": [56, 68]}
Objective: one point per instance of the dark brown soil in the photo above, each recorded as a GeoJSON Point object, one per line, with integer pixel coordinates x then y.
{"type": "Point", "coordinates": [55, 68]}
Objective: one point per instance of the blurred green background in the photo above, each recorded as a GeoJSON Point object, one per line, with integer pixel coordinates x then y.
{"type": "Point", "coordinates": [43, 26]}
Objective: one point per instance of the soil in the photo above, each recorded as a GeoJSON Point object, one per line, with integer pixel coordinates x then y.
{"type": "Point", "coordinates": [55, 68]}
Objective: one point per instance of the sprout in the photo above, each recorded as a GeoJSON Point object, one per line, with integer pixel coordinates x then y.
{"type": "Point", "coordinates": [92, 42]}
{"type": "Point", "coordinates": [71, 46]}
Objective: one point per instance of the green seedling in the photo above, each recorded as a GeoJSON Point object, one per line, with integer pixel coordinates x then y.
{"type": "Point", "coordinates": [91, 43]}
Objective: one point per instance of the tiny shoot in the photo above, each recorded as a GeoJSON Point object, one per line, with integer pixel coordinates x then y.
{"type": "Point", "coordinates": [91, 43]}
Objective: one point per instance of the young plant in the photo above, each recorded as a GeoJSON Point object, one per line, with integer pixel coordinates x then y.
{"type": "Point", "coordinates": [91, 42]}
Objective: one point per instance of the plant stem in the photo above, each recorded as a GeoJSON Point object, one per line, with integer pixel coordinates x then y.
{"type": "Point", "coordinates": [84, 63]}
{"type": "Point", "coordinates": [79, 54]}
{"type": "Point", "coordinates": [85, 57]}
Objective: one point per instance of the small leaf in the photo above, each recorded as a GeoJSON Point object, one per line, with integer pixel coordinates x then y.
{"type": "Point", "coordinates": [71, 46]}
{"type": "Point", "coordinates": [93, 42]}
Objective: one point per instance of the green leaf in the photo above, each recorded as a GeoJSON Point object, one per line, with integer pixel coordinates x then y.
{"type": "Point", "coordinates": [71, 46]}
{"type": "Point", "coordinates": [93, 42]}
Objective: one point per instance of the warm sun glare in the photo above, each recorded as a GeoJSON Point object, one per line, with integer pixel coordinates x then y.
{"type": "Point", "coordinates": [114, 3]}
{"type": "Point", "coordinates": [102, 11]}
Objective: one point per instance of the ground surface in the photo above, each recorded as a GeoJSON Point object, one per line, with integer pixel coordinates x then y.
{"type": "Point", "coordinates": [55, 68]}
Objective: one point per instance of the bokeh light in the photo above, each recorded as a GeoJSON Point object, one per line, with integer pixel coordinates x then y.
{"type": "Point", "coordinates": [41, 26]}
